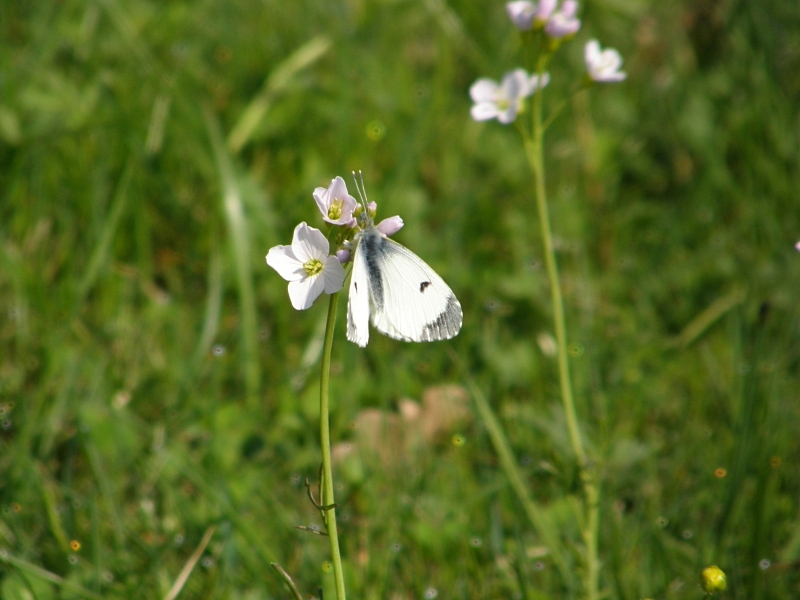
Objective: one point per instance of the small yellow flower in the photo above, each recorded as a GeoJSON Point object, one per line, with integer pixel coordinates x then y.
{"type": "Point", "coordinates": [713, 579]}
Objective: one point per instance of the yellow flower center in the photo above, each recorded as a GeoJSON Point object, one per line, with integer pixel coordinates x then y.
{"type": "Point", "coordinates": [312, 267]}
{"type": "Point", "coordinates": [503, 103]}
{"type": "Point", "coordinates": [335, 209]}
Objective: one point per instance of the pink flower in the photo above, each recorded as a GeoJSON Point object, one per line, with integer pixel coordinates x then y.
{"type": "Point", "coordinates": [503, 101]}
{"type": "Point", "coordinates": [390, 226]}
{"type": "Point", "coordinates": [563, 23]}
{"type": "Point", "coordinates": [603, 66]}
{"type": "Point", "coordinates": [526, 15]}
{"type": "Point", "coordinates": [521, 14]}
{"type": "Point", "coordinates": [335, 204]}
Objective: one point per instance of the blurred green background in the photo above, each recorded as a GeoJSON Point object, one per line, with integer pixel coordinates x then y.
{"type": "Point", "coordinates": [155, 381]}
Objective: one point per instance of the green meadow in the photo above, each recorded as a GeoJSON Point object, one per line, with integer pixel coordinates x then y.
{"type": "Point", "coordinates": [159, 396]}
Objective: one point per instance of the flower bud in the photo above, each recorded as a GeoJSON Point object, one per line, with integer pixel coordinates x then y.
{"type": "Point", "coordinates": [713, 579]}
{"type": "Point", "coordinates": [343, 255]}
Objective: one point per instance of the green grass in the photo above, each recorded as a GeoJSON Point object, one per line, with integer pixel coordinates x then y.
{"type": "Point", "coordinates": [154, 380]}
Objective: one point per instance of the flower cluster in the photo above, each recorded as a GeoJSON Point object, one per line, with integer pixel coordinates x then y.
{"type": "Point", "coordinates": [307, 263]}
{"type": "Point", "coordinates": [557, 23]}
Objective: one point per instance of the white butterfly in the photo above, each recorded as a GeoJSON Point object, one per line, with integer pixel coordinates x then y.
{"type": "Point", "coordinates": [402, 295]}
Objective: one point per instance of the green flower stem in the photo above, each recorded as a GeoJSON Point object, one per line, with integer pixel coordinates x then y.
{"type": "Point", "coordinates": [329, 514]}
{"type": "Point", "coordinates": [533, 149]}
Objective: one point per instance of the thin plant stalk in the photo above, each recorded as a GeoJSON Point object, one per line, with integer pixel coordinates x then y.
{"type": "Point", "coordinates": [328, 509]}
{"type": "Point", "coordinates": [589, 526]}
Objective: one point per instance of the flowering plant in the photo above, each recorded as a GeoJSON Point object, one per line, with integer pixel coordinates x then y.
{"type": "Point", "coordinates": [552, 25]}
{"type": "Point", "coordinates": [311, 269]}
{"type": "Point", "coordinates": [545, 26]}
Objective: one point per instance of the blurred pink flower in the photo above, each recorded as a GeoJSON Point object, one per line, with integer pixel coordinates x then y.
{"type": "Point", "coordinates": [502, 102]}
{"type": "Point", "coordinates": [526, 15]}
{"type": "Point", "coordinates": [563, 23]}
{"type": "Point", "coordinates": [603, 66]}
{"type": "Point", "coordinates": [535, 84]}
{"type": "Point", "coordinates": [521, 14]}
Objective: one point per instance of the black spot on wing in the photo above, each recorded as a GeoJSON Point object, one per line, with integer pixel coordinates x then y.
{"type": "Point", "coordinates": [423, 285]}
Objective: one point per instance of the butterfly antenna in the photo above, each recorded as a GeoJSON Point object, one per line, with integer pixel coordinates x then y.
{"type": "Point", "coordinates": [361, 194]}
{"type": "Point", "coordinates": [363, 187]}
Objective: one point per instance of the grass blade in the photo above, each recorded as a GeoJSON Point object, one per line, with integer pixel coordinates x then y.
{"type": "Point", "coordinates": [240, 242]}
{"type": "Point", "coordinates": [187, 568]}
{"type": "Point", "coordinates": [277, 82]}
{"type": "Point", "coordinates": [707, 318]}
{"type": "Point", "coordinates": [287, 580]}
{"type": "Point", "coordinates": [101, 252]}
{"type": "Point", "coordinates": [105, 488]}
{"type": "Point", "coordinates": [213, 307]}
{"type": "Point", "coordinates": [30, 568]}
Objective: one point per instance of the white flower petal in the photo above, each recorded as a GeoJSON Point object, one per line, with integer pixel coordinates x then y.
{"type": "Point", "coordinates": [611, 60]}
{"type": "Point", "coordinates": [534, 82]}
{"type": "Point", "coordinates": [332, 275]}
{"type": "Point", "coordinates": [321, 198]}
{"type": "Point", "coordinates": [338, 188]}
{"type": "Point", "coordinates": [614, 77]}
{"type": "Point", "coordinates": [592, 52]}
{"type": "Point", "coordinates": [484, 111]}
{"type": "Point", "coordinates": [507, 116]}
{"type": "Point", "coordinates": [303, 293]}
{"type": "Point", "coordinates": [561, 25]}
{"type": "Point", "coordinates": [483, 90]}
{"type": "Point", "coordinates": [603, 65]}
{"type": "Point", "coordinates": [545, 9]}
{"type": "Point", "coordinates": [569, 8]}
{"type": "Point", "coordinates": [283, 260]}
{"type": "Point", "coordinates": [308, 243]}
{"type": "Point", "coordinates": [516, 85]}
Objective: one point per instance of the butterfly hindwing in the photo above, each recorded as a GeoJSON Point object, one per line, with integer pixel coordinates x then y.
{"type": "Point", "coordinates": [358, 302]}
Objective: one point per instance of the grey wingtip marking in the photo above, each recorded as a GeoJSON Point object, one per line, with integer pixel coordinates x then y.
{"type": "Point", "coordinates": [447, 324]}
